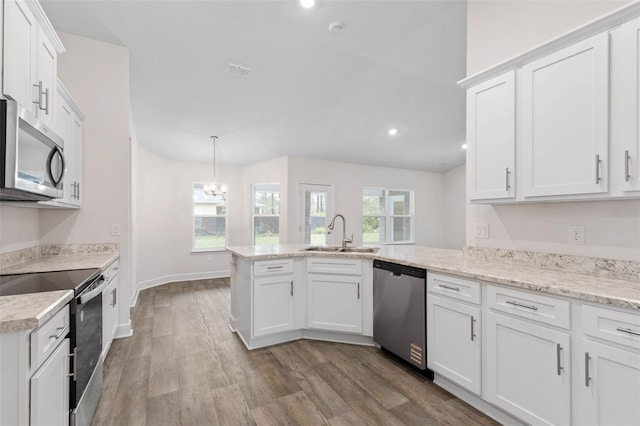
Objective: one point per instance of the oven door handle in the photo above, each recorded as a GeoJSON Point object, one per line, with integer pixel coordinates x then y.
{"type": "Point", "coordinates": [86, 296]}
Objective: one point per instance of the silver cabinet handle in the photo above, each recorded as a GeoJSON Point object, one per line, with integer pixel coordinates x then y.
{"type": "Point", "coordinates": [358, 290]}
{"type": "Point", "coordinates": [628, 330]}
{"type": "Point", "coordinates": [508, 185]}
{"type": "Point", "coordinates": [114, 297]}
{"type": "Point", "coordinates": [627, 157]}
{"type": "Point", "coordinates": [40, 93]}
{"type": "Point", "coordinates": [74, 355]}
{"type": "Point", "coordinates": [46, 104]}
{"type": "Point", "coordinates": [514, 303]}
{"type": "Point", "coordinates": [587, 379]}
{"type": "Point", "coordinates": [558, 358]}
{"type": "Point", "coordinates": [78, 188]}
{"type": "Point", "coordinates": [59, 333]}
{"type": "Point", "coordinates": [275, 267]}
{"type": "Point", "coordinates": [473, 333]}
{"type": "Point", "coordinates": [598, 161]}
{"type": "Point", "coordinates": [291, 284]}
{"type": "Point", "coordinates": [449, 287]}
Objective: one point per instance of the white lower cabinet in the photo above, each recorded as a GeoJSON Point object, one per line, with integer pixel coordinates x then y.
{"type": "Point", "coordinates": [273, 304]}
{"type": "Point", "coordinates": [50, 389]}
{"type": "Point", "coordinates": [334, 303]}
{"type": "Point", "coordinates": [607, 386]}
{"type": "Point", "coordinates": [110, 311]}
{"type": "Point", "coordinates": [453, 339]}
{"type": "Point", "coordinates": [527, 370]}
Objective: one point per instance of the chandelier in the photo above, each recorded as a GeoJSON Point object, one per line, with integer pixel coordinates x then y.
{"type": "Point", "coordinates": [212, 188]}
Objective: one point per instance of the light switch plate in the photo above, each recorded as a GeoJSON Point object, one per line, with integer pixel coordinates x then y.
{"type": "Point", "coordinates": [115, 229]}
{"type": "Point", "coordinates": [482, 230]}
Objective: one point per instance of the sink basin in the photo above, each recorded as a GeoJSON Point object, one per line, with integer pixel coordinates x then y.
{"type": "Point", "coordinates": [337, 249]}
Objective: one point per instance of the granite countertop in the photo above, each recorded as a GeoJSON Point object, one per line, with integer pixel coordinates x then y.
{"type": "Point", "coordinates": [62, 262]}
{"type": "Point", "coordinates": [608, 291]}
{"type": "Point", "coordinates": [29, 311]}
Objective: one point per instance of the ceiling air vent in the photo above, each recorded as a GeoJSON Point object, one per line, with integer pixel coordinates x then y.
{"type": "Point", "coordinates": [236, 68]}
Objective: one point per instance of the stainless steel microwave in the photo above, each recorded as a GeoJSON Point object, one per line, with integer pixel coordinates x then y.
{"type": "Point", "coordinates": [31, 156]}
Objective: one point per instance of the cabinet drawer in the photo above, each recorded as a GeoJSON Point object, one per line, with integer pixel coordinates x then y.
{"type": "Point", "coordinates": [544, 309]}
{"type": "Point", "coordinates": [326, 265]}
{"type": "Point", "coordinates": [617, 327]}
{"type": "Point", "coordinates": [272, 267]}
{"type": "Point", "coordinates": [457, 288]}
{"type": "Point", "coordinates": [45, 340]}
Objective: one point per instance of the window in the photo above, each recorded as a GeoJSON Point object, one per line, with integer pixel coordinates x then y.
{"type": "Point", "coordinates": [266, 214]}
{"type": "Point", "coordinates": [209, 220]}
{"type": "Point", "coordinates": [387, 215]}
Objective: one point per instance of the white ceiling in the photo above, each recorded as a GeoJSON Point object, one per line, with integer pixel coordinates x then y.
{"type": "Point", "coordinates": [311, 93]}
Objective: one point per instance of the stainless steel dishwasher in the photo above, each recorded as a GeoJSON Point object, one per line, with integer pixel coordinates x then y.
{"type": "Point", "coordinates": [399, 311]}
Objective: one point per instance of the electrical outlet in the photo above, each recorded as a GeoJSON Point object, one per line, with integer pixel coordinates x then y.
{"type": "Point", "coordinates": [482, 230]}
{"type": "Point", "coordinates": [576, 235]}
{"type": "Point", "coordinates": [115, 229]}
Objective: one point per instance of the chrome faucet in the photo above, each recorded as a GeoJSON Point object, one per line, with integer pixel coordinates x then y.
{"type": "Point", "coordinates": [345, 240]}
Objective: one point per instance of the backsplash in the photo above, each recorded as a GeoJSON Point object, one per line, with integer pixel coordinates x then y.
{"type": "Point", "coordinates": [601, 267]}
{"type": "Point", "coordinates": [24, 255]}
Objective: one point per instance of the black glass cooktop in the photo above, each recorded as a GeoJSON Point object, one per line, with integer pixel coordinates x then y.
{"type": "Point", "coordinates": [46, 281]}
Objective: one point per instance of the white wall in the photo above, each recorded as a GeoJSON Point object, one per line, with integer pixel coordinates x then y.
{"type": "Point", "coordinates": [19, 228]}
{"type": "Point", "coordinates": [349, 179]}
{"type": "Point", "coordinates": [496, 31]}
{"type": "Point", "coordinates": [164, 221]}
{"type": "Point", "coordinates": [97, 76]}
{"type": "Point", "coordinates": [455, 207]}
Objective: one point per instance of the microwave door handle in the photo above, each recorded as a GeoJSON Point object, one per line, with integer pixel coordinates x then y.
{"type": "Point", "coordinates": [87, 296]}
{"type": "Point", "coordinates": [52, 154]}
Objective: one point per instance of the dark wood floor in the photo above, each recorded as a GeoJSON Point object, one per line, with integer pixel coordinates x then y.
{"type": "Point", "coordinates": [183, 366]}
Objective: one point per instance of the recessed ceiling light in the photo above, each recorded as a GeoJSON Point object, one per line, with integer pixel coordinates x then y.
{"type": "Point", "coordinates": [307, 4]}
{"type": "Point", "coordinates": [464, 146]}
{"type": "Point", "coordinates": [392, 132]}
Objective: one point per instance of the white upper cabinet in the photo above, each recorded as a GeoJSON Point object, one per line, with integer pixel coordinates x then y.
{"type": "Point", "coordinates": [565, 120]}
{"type": "Point", "coordinates": [20, 34]}
{"type": "Point", "coordinates": [491, 138]}
{"type": "Point", "coordinates": [30, 58]}
{"type": "Point", "coordinates": [625, 108]}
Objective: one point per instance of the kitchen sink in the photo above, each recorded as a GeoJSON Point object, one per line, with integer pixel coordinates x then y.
{"type": "Point", "coordinates": [338, 249]}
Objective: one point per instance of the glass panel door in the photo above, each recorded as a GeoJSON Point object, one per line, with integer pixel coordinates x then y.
{"type": "Point", "coordinates": [316, 209]}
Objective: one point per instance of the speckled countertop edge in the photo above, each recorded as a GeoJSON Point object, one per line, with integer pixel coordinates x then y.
{"type": "Point", "coordinates": [30, 311]}
{"type": "Point", "coordinates": [62, 262]}
{"type": "Point", "coordinates": [602, 290]}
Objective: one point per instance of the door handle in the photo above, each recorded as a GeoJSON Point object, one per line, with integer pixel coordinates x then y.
{"type": "Point", "coordinates": [40, 93]}
{"type": "Point", "coordinates": [508, 185]}
{"type": "Point", "coordinates": [358, 290]}
{"type": "Point", "coordinates": [74, 355]}
{"type": "Point", "coordinates": [514, 303]}
{"type": "Point", "coordinates": [291, 284]}
{"type": "Point", "coordinates": [627, 157]}
{"type": "Point", "coordinates": [587, 379]}
{"type": "Point", "coordinates": [114, 297]}
{"type": "Point", "coordinates": [558, 359]}
{"type": "Point", "coordinates": [59, 334]}
{"type": "Point", "coordinates": [473, 333]}
{"type": "Point", "coordinates": [598, 162]}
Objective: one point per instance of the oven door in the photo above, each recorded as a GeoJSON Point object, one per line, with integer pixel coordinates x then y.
{"type": "Point", "coordinates": [87, 342]}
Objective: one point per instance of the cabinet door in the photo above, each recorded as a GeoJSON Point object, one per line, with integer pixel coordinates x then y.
{"type": "Point", "coordinates": [334, 303]}
{"type": "Point", "coordinates": [491, 138]}
{"type": "Point", "coordinates": [607, 385]}
{"type": "Point", "coordinates": [453, 341]}
{"type": "Point", "coordinates": [46, 66]}
{"type": "Point", "coordinates": [75, 160]}
{"type": "Point", "coordinates": [625, 112]}
{"type": "Point", "coordinates": [109, 314]}
{"type": "Point", "coordinates": [527, 370]}
{"type": "Point", "coordinates": [273, 307]}
{"type": "Point", "coordinates": [18, 68]}
{"type": "Point", "coordinates": [565, 120]}
{"type": "Point", "coordinates": [50, 389]}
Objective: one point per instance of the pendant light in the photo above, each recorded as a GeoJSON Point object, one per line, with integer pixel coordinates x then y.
{"type": "Point", "coordinates": [212, 188]}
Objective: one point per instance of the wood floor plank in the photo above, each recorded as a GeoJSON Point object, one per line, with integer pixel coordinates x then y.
{"type": "Point", "coordinates": [294, 409]}
{"type": "Point", "coordinates": [184, 366]}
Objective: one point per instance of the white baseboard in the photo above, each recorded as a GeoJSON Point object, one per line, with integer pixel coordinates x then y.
{"type": "Point", "coordinates": [124, 330]}
{"type": "Point", "coordinates": [143, 285]}
{"type": "Point", "coordinates": [233, 322]}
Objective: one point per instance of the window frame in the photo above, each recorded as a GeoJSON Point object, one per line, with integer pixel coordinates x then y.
{"type": "Point", "coordinates": [253, 210]}
{"type": "Point", "coordinates": [389, 216]}
{"type": "Point", "coordinates": [193, 220]}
